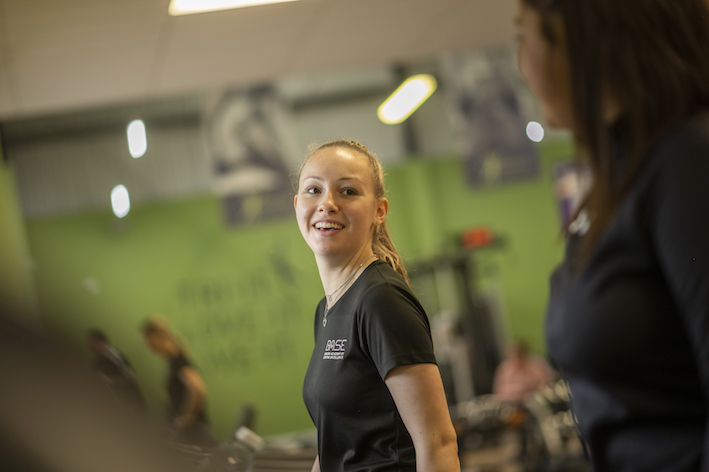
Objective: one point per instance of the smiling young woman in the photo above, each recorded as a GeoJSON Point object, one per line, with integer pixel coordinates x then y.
{"type": "Point", "coordinates": [372, 388]}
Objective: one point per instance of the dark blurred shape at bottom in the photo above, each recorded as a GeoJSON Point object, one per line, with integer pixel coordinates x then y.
{"type": "Point", "coordinates": [54, 416]}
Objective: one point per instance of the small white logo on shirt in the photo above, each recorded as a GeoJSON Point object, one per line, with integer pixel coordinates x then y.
{"type": "Point", "coordinates": [335, 349]}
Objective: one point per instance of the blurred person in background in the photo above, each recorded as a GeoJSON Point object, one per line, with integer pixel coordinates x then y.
{"type": "Point", "coordinates": [372, 388]}
{"type": "Point", "coordinates": [520, 375]}
{"type": "Point", "coordinates": [628, 318]}
{"type": "Point", "coordinates": [186, 411]}
{"type": "Point", "coordinates": [114, 369]}
{"type": "Point", "coordinates": [516, 379]}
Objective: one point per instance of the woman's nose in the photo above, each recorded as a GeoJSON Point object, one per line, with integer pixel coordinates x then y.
{"type": "Point", "coordinates": [327, 203]}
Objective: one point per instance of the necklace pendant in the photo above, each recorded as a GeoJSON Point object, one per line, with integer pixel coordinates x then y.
{"type": "Point", "coordinates": [324, 322]}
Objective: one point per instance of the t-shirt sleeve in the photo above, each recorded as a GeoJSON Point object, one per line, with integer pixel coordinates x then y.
{"type": "Point", "coordinates": [680, 226]}
{"type": "Point", "coordinates": [394, 329]}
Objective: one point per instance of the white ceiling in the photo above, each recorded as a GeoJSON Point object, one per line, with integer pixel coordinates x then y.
{"type": "Point", "coordinates": [62, 55]}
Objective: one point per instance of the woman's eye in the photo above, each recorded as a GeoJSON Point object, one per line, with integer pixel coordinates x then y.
{"type": "Point", "coordinates": [349, 191]}
{"type": "Point", "coordinates": [312, 190]}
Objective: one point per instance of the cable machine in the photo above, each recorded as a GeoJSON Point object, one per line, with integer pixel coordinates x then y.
{"type": "Point", "coordinates": [467, 326]}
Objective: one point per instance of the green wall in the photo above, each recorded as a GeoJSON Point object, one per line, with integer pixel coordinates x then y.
{"type": "Point", "coordinates": [243, 299]}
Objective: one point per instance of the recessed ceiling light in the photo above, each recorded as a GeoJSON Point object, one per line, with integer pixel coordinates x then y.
{"type": "Point", "coordinates": [137, 141]}
{"type": "Point", "coordinates": [187, 7]}
{"type": "Point", "coordinates": [120, 201]}
{"type": "Point", "coordinates": [535, 131]}
{"type": "Point", "coordinates": [406, 99]}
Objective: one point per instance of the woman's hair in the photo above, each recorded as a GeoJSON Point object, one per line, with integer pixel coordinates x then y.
{"type": "Point", "coordinates": [650, 58]}
{"type": "Point", "coordinates": [157, 328]}
{"type": "Point", "coordinates": [96, 334]}
{"type": "Point", "coordinates": [382, 245]}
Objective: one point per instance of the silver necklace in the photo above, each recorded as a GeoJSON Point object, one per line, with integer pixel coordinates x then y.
{"type": "Point", "coordinates": [329, 297]}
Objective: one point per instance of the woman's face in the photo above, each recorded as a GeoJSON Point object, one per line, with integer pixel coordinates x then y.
{"type": "Point", "coordinates": [544, 66]}
{"type": "Point", "coordinates": [336, 205]}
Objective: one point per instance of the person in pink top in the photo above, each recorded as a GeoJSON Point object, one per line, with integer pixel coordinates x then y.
{"type": "Point", "coordinates": [516, 379]}
{"type": "Point", "coordinates": [520, 375]}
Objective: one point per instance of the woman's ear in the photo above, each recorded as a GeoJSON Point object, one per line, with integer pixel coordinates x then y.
{"type": "Point", "coordinates": [382, 210]}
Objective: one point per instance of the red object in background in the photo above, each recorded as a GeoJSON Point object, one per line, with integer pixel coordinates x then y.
{"type": "Point", "coordinates": [477, 237]}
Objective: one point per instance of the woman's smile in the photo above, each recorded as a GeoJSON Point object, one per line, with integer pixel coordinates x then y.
{"type": "Point", "coordinates": [327, 226]}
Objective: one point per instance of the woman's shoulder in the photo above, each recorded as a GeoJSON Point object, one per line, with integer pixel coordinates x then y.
{"type": "Point", "coordinates": [691, 137]}
{"type": "Point", "coordinates": [680, 157]}
{"type": "Point", "coordinates": [674, 179]}
{"type": "Point", "coordinates": [384, 289]}
{"type": "Point", "coordinates": [381, 279]}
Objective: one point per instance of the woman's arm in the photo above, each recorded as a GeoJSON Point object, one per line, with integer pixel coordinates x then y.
{"type": "Point", "coordinates": [194, 398]}
{"type": "Point", "coordinates": [418, 394]}
{"type": "Point", "coordinates": [316, 465]}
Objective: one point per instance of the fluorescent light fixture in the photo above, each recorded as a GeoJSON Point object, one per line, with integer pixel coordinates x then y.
{"type": "Point", "coordinates": [137, 141]}
{"type": "Point", "coordinates": [187, 7]}
{"type": "Point", "coordinates": [535, 131]}
{"type": "Point", "coordinates": [406, 99]}
{"type": "Point", "coordinates": [120, 201]}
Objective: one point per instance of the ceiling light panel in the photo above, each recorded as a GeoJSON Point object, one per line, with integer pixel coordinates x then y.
{"type": "Point", "coordinates": [188, 7]}
{"type": "Point", "coordinates": [406, 99]}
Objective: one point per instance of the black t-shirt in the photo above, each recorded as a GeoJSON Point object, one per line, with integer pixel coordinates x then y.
{"type": "Point", "coordinates": [117, 371]}
{"type": "Point", "coordinates": [630, 329]}
{"type": "Point", "coordinates": [113, 365]}
{"type": "Point", "coordinates": [177, 390]}
{"type": "Point", "coordinates": [377, 325]}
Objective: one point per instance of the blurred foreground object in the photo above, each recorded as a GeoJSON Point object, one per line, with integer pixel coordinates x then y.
{"type": "Point", "coordinates": [54, 416]}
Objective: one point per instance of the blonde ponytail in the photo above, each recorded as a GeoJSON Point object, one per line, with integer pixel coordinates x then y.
{"type": "Point", "coordinates": [383, 247]}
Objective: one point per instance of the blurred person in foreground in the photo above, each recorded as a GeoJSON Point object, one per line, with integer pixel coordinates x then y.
{"type": "Point", "coordinates": [628, 318]}
{"type": "Point", "coordinates": [55, 416]}
{"type": "Point", "coordinates": [114, 369]}
{"type": "Point", "coordinates": [372, 388]}
{"type": "Point", "coordinates": [186, 411]}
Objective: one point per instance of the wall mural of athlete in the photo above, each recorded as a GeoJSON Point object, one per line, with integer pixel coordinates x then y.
{"type": "Point", "coordinates": [246, 133]}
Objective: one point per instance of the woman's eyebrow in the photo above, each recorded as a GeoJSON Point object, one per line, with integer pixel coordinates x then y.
{"type": "Point", "coordinates": [315, 177]}
{"type": "Point", "coordinates": [312, 177]}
